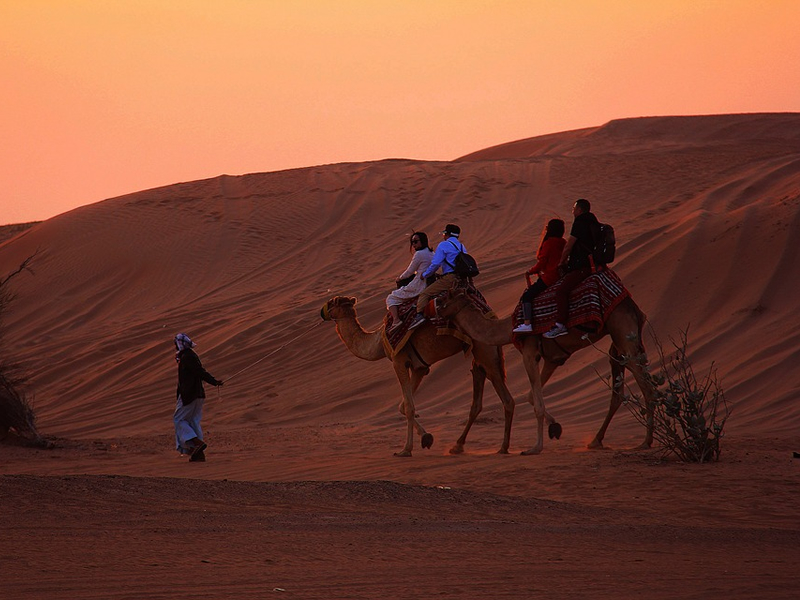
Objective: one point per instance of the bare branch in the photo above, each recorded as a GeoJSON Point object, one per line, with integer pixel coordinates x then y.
{"type": "Point", "coordinates": [25, 266]}
{"type": "Point", "coordinates": [689, 415]}
{"type": "Point", "coordinates": [16, 413]}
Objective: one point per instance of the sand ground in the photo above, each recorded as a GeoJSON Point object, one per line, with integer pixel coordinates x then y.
{"type": "Point", "coordinates": [342, 518]}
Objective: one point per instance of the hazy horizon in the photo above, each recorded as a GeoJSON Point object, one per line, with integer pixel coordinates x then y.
{"type": "Point", "coordinates": [112, 98]}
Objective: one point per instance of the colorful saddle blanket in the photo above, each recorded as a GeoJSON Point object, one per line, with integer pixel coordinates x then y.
{"type": "Point", "coordinates": [589, 304]}
{"type": "Point", "coordinates": [396, 339]}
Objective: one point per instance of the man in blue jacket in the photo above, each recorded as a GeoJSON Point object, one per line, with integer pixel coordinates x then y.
{"type": "Point", "coordinates": [444, 258]}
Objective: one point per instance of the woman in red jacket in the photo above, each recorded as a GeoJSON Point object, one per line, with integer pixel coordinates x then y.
{"type": "Point", "coordinates": [547, 258]}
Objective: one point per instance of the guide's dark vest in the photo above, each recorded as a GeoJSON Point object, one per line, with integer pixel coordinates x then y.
{"type": "Point", "coordinates": [190, 377]}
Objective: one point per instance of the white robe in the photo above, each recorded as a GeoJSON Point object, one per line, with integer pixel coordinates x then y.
{"type": "Point", "coordinates": [187, 423]}
{"type": "Point", "coordinates": [422, 260]}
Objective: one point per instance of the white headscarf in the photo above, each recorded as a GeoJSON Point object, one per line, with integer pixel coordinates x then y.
{"type": "Point", "coordinates": [182, 342]}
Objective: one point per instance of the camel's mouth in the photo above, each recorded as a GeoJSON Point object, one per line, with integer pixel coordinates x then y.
{"type": "Point", "coordinates": [324, 313]}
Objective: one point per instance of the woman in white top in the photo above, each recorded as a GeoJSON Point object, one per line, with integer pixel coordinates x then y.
{"type": "Point", "coordinates": [423, 255]}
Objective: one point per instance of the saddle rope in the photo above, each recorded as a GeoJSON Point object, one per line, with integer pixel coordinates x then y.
{"type": "Point", "coordinates": [278, 349]}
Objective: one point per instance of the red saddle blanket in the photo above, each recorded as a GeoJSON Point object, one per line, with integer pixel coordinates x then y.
{"type": "Point", "coordinates": [589, 304]}
{"type": "Point", "coordinates": [397, 338]}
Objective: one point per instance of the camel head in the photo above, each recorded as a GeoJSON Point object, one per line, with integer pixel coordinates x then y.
{"type": "Point", "coordinates": [338, 307]}
{"type": "Point", "coordinates": [451, 303]}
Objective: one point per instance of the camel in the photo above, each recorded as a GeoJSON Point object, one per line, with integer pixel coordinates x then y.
{"type": "Point", "coordinates": [413, 362]}
{"type": "Point", "coordinates": [624, 325]}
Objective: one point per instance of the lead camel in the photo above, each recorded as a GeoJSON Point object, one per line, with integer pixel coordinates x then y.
{"type": "Point", "coordinates": [411, 366]}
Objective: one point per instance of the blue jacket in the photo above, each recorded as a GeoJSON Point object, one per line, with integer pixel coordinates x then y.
{"type": "Point", "coordinates": [445, 257]}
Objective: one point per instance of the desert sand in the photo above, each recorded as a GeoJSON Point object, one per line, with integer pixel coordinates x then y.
{"type": "Point", "coordinates": [301, 495]}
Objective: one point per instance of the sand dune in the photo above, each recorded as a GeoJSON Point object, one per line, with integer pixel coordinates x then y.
{"type": "Point", "coordinates": [704, 224]}
{"type": "Point", "coordinates": [706, 211]}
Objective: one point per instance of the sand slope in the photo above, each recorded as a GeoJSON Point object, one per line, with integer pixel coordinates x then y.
{"type": "Point", "coordinates": [706, 211]}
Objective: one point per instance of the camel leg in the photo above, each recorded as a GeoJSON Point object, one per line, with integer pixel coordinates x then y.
{"type": "Point", "coordinates": [499, 385]}
{"type": "Point", "coordinates": [617, 388]}
{"type": "Point", "coordinates": [553, 427]}
{"type": "Point", "coordinates": [649, 398]}
{"type": "Point", "coordinates": [625, 327]}
{"type": "Point", "coordinates": [401, 370]}
{"type": "Point", "coordinates": [548, 368]}
{"type": "Point", "coordinates": [478, 383]}
{"type": "Point", "coordinates": [426, 439]}
{"type": "Point", "coordinates": [416, 379]}
{"type": "Point", "coordinates": [530, 357]}
{"type": "Point", "coordinates": [491, 359]}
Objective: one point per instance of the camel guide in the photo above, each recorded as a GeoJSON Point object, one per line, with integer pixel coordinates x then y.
{"type": "Point", "coordinates": [191, 397]}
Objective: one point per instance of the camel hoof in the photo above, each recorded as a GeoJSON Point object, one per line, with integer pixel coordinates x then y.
{"type": "Point", "coordinates": [457, 449]}
{"type": "Point", "coordinates": [531, 452]}
{"type": "Point", "coordinates": [643, 446]}
{"type": "Point", "coordinates": [503, 451]}
{"type": "Point", "coordinates": [595, 444]}
{"type": "Point", "coordinates": [427, 440]}
{"type": "Point", "coordinates": [554, 431]}
{"type": "Point", "coordinates": [403, 454]}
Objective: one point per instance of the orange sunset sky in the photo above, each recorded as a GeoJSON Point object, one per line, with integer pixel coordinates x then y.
{"type": "Point", "coordinates": [101, 98]}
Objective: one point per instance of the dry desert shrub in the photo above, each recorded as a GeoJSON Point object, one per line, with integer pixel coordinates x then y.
{"type": "Point", "coordinates": [689, 412]}
{"type": "Point", "coordinates": [16, 413]}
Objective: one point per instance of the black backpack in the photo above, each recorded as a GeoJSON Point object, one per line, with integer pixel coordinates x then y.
{"type": "Point", "coordinates": [605, 244]}
{"type": "Point", "coordinates": [464, 265]}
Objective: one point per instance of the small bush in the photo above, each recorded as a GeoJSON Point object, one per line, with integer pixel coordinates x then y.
{"type": "Point", "coordinates": [689, 413]}
{"type": "Point", "coordinates": [16, 413]}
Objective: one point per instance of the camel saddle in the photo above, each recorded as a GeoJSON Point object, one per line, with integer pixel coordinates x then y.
{"type": "Point", "coordinates": [589, 304]}
{"type": "Point", "coordinates": [396, 339]}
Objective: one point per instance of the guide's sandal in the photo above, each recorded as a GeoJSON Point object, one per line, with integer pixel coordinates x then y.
{"type": "Point", "coordinates": [199, 450]}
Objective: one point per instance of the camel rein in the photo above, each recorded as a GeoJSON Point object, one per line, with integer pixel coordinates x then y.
{"type": "Point", "coordinates": [263, 358]}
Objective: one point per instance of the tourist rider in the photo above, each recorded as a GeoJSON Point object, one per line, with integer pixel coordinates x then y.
{"type": "Point", "coordinates": [575, 262]}
{"type": "Point", "coordinates": [444, 258]}
{"type": "Point", "coordinates": [548, 256]}
{"type": "Point", "coordinates": [423, 256]}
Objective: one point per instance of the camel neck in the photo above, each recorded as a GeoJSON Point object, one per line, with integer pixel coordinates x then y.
{"type": "Point", "coordinates": [495, 332]}
{"type": "Point", "coordinates": [366, 345]}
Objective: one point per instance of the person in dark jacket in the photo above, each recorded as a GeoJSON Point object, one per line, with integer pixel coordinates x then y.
{"type": "Point", "coordinates": [575, 262]}
{"type": "Point", "coordinates": [191, 396]}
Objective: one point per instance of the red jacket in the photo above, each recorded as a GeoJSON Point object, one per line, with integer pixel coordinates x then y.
{"type": "Point", "coordinates": [547, 259]}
